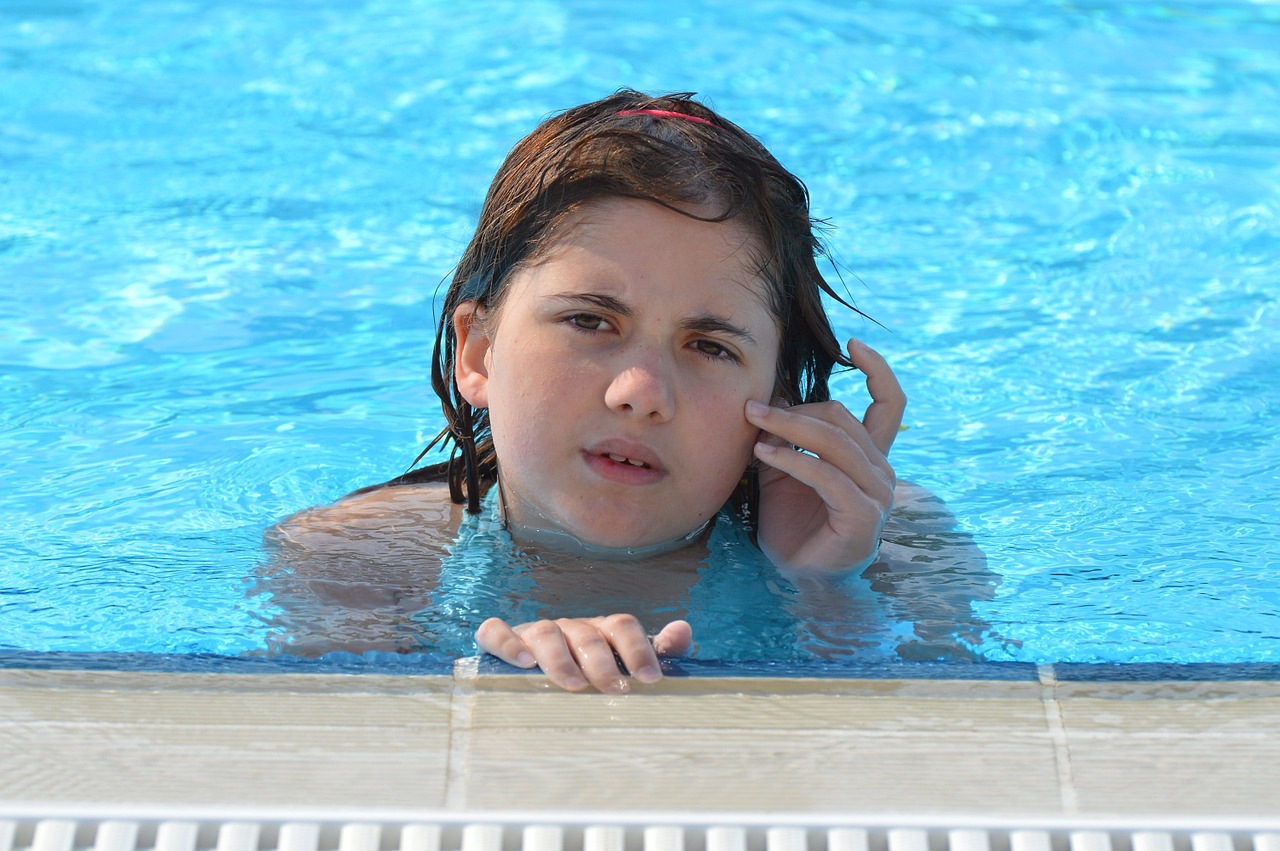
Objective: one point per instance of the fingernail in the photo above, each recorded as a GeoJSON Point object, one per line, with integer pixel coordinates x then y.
{"type": "Point", "coordinates": [648, 674]}
{"type": "Point", "coordinates": [757, 409]}
{"type": "Point", "coordinates": [524, 660]}
{"type": "Point", "coordinates": [766, 450]}
{"type": "Point", "coordinates": [575, 683]}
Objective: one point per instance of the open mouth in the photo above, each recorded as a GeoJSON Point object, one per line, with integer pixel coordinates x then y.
{"type": "Point", "coordinates": [625, 462]}
{"type": "Point", "coordinates": [622, 459]}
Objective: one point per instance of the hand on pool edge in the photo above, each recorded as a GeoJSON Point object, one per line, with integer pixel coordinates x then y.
{"type": "Point", "coordinates": [823, 507]}
{"type": "Point", "coordinates": [576, 653]}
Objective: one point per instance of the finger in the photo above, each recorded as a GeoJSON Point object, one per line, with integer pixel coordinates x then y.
{"type": "Point", "coordinates": [497, 638]}
{"type": "Point", "coordinates": [842, 492]}
{"type": "Point", "coordinates": [888, 402]}
{"type": "Point", "coordinates": [767, 436]}
{"type": "Point", "coordinates": [550, 648]}
{"type": "Point", "coordinates": [593, 655]}
{"type": "Point", "coordinates": [675, 639]}
{"type": "Point", "coordinates": [627, 637]}
{"type": "Point", "coordinates": [826, 429]}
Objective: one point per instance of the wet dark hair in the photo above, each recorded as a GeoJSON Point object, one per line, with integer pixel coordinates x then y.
{"type": "Point", "coordinates": [608, 149]}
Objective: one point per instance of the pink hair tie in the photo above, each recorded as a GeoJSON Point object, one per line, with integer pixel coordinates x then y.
{"type": "Point", "coordinates": [666, 113]}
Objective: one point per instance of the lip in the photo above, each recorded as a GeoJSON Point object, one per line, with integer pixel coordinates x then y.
{"type": "Point", "coordinates": [597, 458]}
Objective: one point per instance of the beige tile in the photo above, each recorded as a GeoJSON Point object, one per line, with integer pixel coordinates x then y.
{"type": "Point", "coordinates": [875, 745]}
{"type": "Point", "coordinates": [109, 737]}
{"type": "Point", "coordinates": [775, 704]}
{"type": "Point", "coordinates": [222, 699]}
{"type": "Point", "coordinates": [959, 689]}
{"type": "Point", "coordinates": [1210, 748]}
{"type": "Point", "coordinates": [746, 770]}
{"type": "Point", "coordinates": [1182, 776]}
{"type": "Point", "coordinates": [252, 765]}
{"type": "Point", "coordinates": [1250, 709]}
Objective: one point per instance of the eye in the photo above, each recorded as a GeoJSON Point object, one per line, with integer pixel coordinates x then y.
{"type": "Point", "coordinates": [714, 350]}
{"type": "Point", "coordinates": [587, 322]}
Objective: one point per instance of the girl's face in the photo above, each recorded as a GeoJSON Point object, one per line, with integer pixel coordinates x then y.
{"type": "Point", "coordinates": [617, 371]}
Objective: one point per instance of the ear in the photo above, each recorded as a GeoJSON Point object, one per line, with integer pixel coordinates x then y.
{"type": "Point", "coordinates": [470, 357]}
{"type": "Point", "coordinates": [779, 393]}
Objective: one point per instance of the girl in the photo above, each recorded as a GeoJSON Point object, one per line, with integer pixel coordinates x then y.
{"type": "Point", "coordinates": [633, 340]}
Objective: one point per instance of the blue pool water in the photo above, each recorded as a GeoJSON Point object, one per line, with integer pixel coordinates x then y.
{"type": "Point", "coordinates": [223, 224]}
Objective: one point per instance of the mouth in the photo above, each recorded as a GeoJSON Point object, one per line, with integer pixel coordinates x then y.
{"type": "Point", "coordinates": [625, 461]}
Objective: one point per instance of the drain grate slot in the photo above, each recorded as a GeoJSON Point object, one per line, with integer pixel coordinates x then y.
{"type": "Point", "coordinates": [495, 834]}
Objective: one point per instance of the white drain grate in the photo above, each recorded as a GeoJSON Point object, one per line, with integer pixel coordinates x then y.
{"type": "Point", "coordinates": [489, 832]}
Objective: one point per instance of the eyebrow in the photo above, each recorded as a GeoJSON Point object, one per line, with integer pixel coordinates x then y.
{"type": "Point", "coordinates": [707, 323]}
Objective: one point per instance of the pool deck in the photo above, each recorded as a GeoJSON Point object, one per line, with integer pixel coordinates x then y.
{"type": "Point", "coordinates": [1031, 747]}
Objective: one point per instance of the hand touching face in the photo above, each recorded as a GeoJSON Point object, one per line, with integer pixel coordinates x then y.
{"type": "Point", "coordinates": [828, 487]}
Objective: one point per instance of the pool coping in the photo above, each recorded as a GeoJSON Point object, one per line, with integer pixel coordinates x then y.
{"type": "Point", "coordinates": [1031, 744]}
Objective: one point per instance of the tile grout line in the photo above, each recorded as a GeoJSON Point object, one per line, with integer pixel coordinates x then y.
{"type": "Point", "coordinates": [1058, 734]}
{"type": "Point", "coordinates": [462, 698]}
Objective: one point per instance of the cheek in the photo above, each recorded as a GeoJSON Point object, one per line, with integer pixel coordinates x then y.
{"type": "Point", "coordinates": [524, 411]}
{"type": "Point", "coordinates": [726, 436]}
{"type": "Point", "coordinates": [517, 415]}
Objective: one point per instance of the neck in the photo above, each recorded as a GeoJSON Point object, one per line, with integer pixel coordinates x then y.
{"type": "Point", "coordinates": [540, 532]}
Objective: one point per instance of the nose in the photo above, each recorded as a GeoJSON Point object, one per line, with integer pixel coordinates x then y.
{"type": "Point", "coordinates": [643, 387]}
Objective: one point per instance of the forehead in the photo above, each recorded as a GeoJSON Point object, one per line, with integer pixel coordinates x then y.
{"type": "Point", "coordinates": [640, 241]}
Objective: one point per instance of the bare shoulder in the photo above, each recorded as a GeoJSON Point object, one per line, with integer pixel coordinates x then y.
{"type": "Point", "coordinates": [350, 575]}
{"type": "Point", "coordinates": [414, 515]}
{"type": "Point", "coordinates": [385, 509]}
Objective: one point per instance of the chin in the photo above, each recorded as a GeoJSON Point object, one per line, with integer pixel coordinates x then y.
{"type": "Point", "coordinates": [616, 538]}
{"type": "Point", "coordinates": [596, 532]}
{"type": "Point", "coordinates": [631, 536]}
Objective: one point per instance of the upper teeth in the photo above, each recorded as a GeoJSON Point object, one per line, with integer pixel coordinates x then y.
{"type": "Point", "coordinates": [621, 458]}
